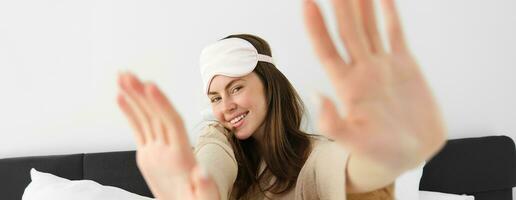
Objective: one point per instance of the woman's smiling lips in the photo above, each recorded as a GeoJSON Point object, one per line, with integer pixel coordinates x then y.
{"type": "Point", "coordinates": [235, 116]}
{"type": "Point", "coordinates": [238, 119]}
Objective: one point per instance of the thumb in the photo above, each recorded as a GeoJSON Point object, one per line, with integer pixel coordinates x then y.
{"type": "Point", "coordinates": [330, 122]}
{"type": "Point", "coordinates": [205, 187]}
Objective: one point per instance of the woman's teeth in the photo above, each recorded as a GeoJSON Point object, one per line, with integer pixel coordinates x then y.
{"type": "Point", "coordinates": [237, 119]}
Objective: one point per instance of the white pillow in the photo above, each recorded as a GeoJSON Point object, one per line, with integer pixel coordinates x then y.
{"type": "Point", "coordinates": [427, 195]}
{"type": "Point", "coordinates": [45, 186]}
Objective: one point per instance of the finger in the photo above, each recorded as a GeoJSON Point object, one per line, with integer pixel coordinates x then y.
{"type": "Point", "coordinates": [334, 65]}
{"type": "Point", "coordinates": [159, 130]}
{"type": "Point", "coordinates": [350, 29]}
{"type": "Point", "coordinates": [158, 122]}
{"type": "Point", "coordinates": [131, 117]}
{"type": "Point", "coordinates": [171, 119]}
{"type": "Point", "coordinates": [367, 12]}
{"type": "Point", "coordinates": [330, 122]}
{"type": "Point", "coordinates": [394, 29]}
{"type": "Point", "coordinates": [133, 90]}
{"type": "Point", "coordinates": [322, 42]}
{"type": "Point", "coordinates": [205, 187]}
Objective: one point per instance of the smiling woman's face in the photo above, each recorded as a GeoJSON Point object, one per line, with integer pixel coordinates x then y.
{"type": "Point", "coordinates": [238, 103]}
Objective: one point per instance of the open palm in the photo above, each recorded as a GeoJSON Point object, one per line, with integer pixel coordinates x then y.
{"type": "Point", "coordinates": [392, 117]}
{"type": "Point", "coordinates": [163, 155]}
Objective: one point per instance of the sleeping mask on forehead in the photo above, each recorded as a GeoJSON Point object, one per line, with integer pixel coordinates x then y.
{"type": "Point", "coordinates": [233, 57]}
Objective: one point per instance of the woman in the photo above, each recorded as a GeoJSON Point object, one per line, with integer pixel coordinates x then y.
{"type": "Point", "coordinates": [257, 150]}
{"type": "Point", "coordinates": [258, 126]}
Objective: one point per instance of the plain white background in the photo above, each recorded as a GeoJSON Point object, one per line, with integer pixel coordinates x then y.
{"type": "Point", "coordinates": [59, 60]}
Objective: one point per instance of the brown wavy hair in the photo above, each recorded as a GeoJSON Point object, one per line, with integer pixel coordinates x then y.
{"type": "Point", "coordinates": [285, 147]}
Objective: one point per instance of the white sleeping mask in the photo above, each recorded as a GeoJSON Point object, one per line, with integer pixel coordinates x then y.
{"type": "Point", "coordinates": [233, 57]}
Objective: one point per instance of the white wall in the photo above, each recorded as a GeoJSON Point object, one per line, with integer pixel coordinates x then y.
{"type": "Point", "coordinates": [58, 63]}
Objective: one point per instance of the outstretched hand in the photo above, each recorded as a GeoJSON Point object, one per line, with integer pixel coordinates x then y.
{"type": "Point", "coordinates": [392, 118]}
{"type": "Point", "coordinates": [164, 155]}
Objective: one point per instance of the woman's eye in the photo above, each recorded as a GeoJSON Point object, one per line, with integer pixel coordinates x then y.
{"type": "Point", "coordinates": [236, 89]}
{"type": "Point", "coordinates": [215, 99]}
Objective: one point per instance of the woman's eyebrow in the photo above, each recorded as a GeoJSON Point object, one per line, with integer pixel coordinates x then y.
{"type": "Point", "coordinates": [227, 86]}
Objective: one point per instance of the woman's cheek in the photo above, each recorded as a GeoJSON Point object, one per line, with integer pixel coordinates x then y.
{"type": "Point", "coordinates": [220, 118]}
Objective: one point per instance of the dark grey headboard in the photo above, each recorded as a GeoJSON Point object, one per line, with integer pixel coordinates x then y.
{"type": "Point", "coordinates": [484, 167]}
{"type": "Point", "coordinates": [110, 168]}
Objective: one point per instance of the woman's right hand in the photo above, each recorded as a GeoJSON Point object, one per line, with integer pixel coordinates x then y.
{"type": "Point", "coordinates": [393, 122]}
{"type": "Point", "coordinates": [164, 155]}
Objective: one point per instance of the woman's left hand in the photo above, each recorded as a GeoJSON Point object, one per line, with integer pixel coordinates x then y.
{"type": "Point", "coordinates": [164, 156]}
{"type": "Point", "coordinates": [392, 118]}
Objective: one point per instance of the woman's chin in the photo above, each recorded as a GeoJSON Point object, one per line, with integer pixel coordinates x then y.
{"type": "Point", "coordinates": [242, 135]}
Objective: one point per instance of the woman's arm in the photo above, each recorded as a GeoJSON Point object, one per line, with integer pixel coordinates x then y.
{"type": "Point", "coordinates": [215, 154]}
{"type": "Point", "coordinates": [324, 176]}
{"type": "Point", "coordinates": [365, 176]}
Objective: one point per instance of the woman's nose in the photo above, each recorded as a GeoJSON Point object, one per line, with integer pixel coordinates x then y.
{"type": "Point", "coordinates": [229, 105]}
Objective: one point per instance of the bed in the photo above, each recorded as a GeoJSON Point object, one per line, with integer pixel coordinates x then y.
{"type": "Point", "coordinates": [484, 167]}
